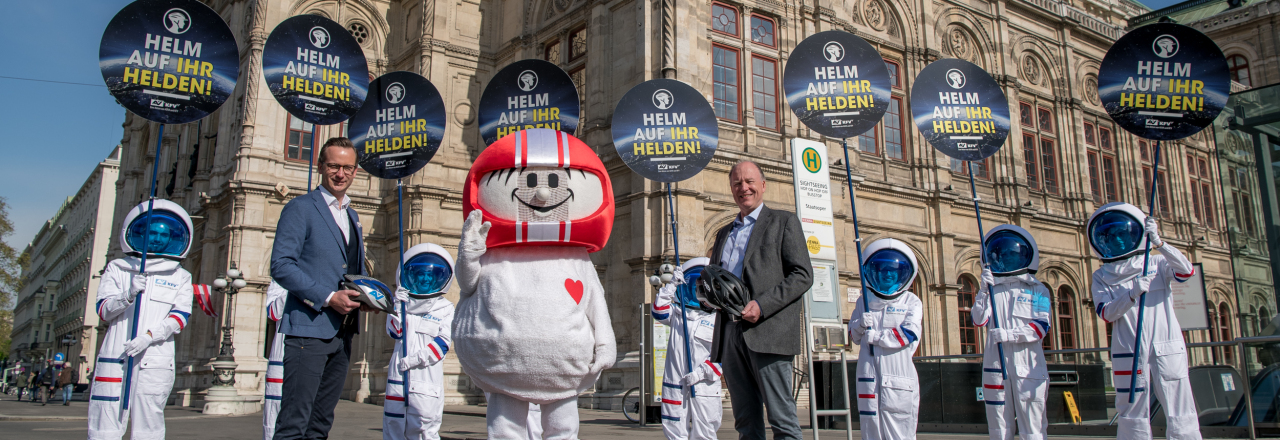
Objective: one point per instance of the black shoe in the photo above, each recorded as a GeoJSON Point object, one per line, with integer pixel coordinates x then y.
{"type": "Point", "coordinates": [66, 403]}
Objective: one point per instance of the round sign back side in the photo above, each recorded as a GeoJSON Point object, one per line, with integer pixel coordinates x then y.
{"type": "Point", "coordinates": [837, 84]}
{"type": "Point", "coordinates": [960, 109]}
{"type": "Point", "coordinates": [400, 127]}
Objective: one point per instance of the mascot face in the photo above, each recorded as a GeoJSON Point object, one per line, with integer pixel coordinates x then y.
{"type": "Point", "coordinates": [541, 187]}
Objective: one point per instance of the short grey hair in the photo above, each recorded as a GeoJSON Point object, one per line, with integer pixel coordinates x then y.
{"type": "Point", "coordinates": [748, 162]}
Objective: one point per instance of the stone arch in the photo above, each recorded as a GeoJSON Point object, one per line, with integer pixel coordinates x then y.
{"type": "Point", "coordinates": [963, 35]}
{"type": "Point", "coordinates": [1052, 75]}
{"type": "Point", "coordinates": [713, 225]}
{"type": "Point", "coordinates": [887, 20]}
{"type": "Point", "coordinates": [1086, 80]}
{"type": "Point", "coordinates": [1057, 273]}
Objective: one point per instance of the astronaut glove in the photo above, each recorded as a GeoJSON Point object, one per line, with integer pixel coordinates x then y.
{"type": "Point", "coordinates": [667, 291]}
{"type": "Point", "coordinates": [998, 335]}
{"type": "Point", "coordinates": [1153, 232]}
{"type": "Point", "coordinates": [475, 231]}
{"type": "Point", "coordinates": [872, 336]}
{"type": "Point", "coordinates": [1143, 286]}
{"type": "Point", "coordinates": [677, 277]}
{"type": "Point", "coordinates": [869, 320]}
{"type": "Point", "coordinates": [409, 362]}
{"type": "Point", "coordinates": [988, 279]}
{"type": "Point", "coordinates": [137, 345]}
{"type": "Point", "coordinates": [137, 285]}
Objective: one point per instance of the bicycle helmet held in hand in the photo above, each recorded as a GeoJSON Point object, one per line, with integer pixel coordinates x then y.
{"type": "Point", "coordinates": [719, 289]}
{"type": "Point", "coordinates": [373, 293]}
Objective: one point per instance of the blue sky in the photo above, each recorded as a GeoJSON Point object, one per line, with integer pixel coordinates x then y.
{"type": "Point", "coordinates": [55, 133]}
{"type": "Point", "coordinates": [1159, 4]}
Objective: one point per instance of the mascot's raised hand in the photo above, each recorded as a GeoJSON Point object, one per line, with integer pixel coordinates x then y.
{"type": "Point", "coordinates": [475, 232]}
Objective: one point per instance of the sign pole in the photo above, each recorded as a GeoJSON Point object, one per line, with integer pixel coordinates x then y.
{"type": "Point", "coordinates": [684, 323]}
{"type": "Point", "coordinates": [311, 160]}
{"type": "Point", "coordinates": [991, 296]}
{"type": "Point", "coordinates": [142, 269]}
{"type": "Point", "coordinates": [404, 315]}
{"type": "Point", "coordinates": [1142, 300]}
{"type": "Point", "coordinates": [857, 236]}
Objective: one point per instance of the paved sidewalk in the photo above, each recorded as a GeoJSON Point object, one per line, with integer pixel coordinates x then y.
{"type": "Point", "coordinates": [23, 420]}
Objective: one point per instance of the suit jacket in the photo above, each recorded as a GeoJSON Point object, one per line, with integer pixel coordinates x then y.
{"type": "Point", "coordinates": [777, 271]}
{"type": "Point", "coordinates": [309, 260]}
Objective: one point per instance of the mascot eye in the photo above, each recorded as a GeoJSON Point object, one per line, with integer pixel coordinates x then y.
{"type": "Point", "coordinates": [553, 180]}
{"type": "Point", "coordinates": [533, 180]}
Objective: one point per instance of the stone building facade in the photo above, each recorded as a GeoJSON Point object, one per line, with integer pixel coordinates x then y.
{"type": "Point", "coordinates": [56, 308]}
{"type": "Point", "coordinates": [235, 170]}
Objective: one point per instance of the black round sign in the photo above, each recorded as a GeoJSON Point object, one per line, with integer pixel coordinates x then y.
{"type": "Point", "coordinates": [315, 69]}
{"type": "Point", "coordinates": [665, 130]}
{"type": "Point", "coordinates": [960, 109]}
{"type": "Point", "coordinates": [1164, 81]}
{"type": "Point", "coordinates": [837, 84]}
{"type": "Point", "coordinates": [528, 94]}
{"type": "Point", "coordinates": [169, 61]}
{"type": "Point", "coordinates": [400, 127]}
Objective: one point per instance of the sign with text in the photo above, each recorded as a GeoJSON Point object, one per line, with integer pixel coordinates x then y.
{"type": "Point", "coordinates": [315, 69]}
{"type": "Point", "coordinates": [1164, 81]}
{"type": "Point", "coordinates": [528, 94]}
{"type": "Point", "coordinates": [837, 84]}
{"type": "Point", "coordinates": [400, 127]}
{"type": "Point", "coordinates": [664, 130]}
{"type": "Point", "coordinates": [960, 109]}
{"type": "Point", "coordinates": [813, 197]}
{"type": "Point", "coordinates": [1191, 302]}
{"type": "Point", "coordinates": [169, 61]}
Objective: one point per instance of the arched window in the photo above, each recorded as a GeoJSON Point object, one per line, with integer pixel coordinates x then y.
{"type": "Point", "coordinates": [1224, 332]}
{"type": "Point", "coordinates": [1066, 318]}
{"type": "Point", "coordinates": [1239, 69]}
{"type": "Point", "coordinates": [968, 331]}
{"type": "Point", "coordinates": [1264, 319]}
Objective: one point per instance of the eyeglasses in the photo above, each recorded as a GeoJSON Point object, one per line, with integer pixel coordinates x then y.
{"type": "Point", "coordinates": [347, 169]}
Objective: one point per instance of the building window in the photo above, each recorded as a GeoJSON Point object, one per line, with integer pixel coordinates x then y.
{"type": "Point", "coordinates": [1046, 120]}
{"type": "Point", "coordinates": [764, 89]}
{"type": "Point", "coordinates": [1201, 189]}
{"type": "Point", "coordinates": [552, 52]}
{"type": "Point", "coordinates": [968, 331]}
{"type": "Point", "coordinates": [1243, 200]}
{"type": "Point", "coordinates": [578, 43]}
{"type": "Point", "coordinates": [1024, 113]}
{"type": "Point", "coordinates": [1030, 156]}
{"type": "Point", "coordinates": [1047, 341]}
{"type": "Point", "coordinates": [893, 145]}
{"type": "Point", "coordinates": [867, 142]}
{"type": "Point", "coordinates": [979, 168]}
{"type": "Point", "coordinates": [1104, 139]}
{"type": "Point", "coordinates": [762, 30]}
{"type": "Point", "coordinates": [894, 79]}
{"type": "Point", "coordinates": [299, 144]}
{"type": "Point", "coordinates": [359, 31]}
{"type": "Point", "coordinates": [1066, 318]}
{"type": "Point", "coordinates": [1162, 190]}
{"type": "Point", "coordinates": [1224, 331]}
{"type": "Point", "coordinates": [1089, 139]}
{"type": "Point", "coordinates": [724, 19]}
{"type": "Point", "coordinates": [579, 78]}
{"type": "Point", "coordinates": [1110, 182]}
{"type": "Point", "coordinates": [724, 63]}
{"type": "Point", "coordinates": [1095, 181]}
{"type": "Point", "coordinates": [1239, 66]}
{"type": "Point", "coordinates": [1049, 165]}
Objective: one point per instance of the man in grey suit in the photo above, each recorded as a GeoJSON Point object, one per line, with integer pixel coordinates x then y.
{"type": "Point", "coordinates": [766, 249]}
{"type": "Point", "coordinates": [318, 240]}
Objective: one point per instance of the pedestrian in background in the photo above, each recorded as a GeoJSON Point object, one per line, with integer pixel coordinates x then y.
{"type": "Point", "coordinates": [67, 380]}
{"type": "Point", "coordinates": [21, 383]}
{"type": "Point", "coordinates": [47, 378]}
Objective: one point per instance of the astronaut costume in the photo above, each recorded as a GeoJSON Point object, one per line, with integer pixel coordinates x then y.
{"type": "Point", "coordinates": [276, 296]}
{"type": "Point", "coordinates": [160, 301]}
{"type": "Point", "coordinates": [1118, 234]}
{"type": "Point", "coordinates": [424, 278]}
{"type": "Point", "coordinates": [887, 385]}
{"type": "Point", "coordinates": [1022, 306]}
{"type": "Point", "coordinates": [702, 410]}
{"type": "Point", "coordinates": [532, 325]}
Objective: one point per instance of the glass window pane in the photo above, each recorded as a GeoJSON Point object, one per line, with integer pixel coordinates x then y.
{"type": "Point", "coordinates": [893, 147]}
{"type": "Point", "coordinates": [1029, 155]}
{"type": "Point", "coordinates": [725, 82]}
{"type": "Point", "coordinates": [1049, 165]}
{"type": "Point", "coordinates": [762, 30]}
{"type": "Point", "coordinates": [765, 91]}
{"type": "Point", "coordinates": [724, 19]}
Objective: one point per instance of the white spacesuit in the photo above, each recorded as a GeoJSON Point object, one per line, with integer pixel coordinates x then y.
{"type": "Point", "coordinates": [1022, 306]}
{"type": "Point", "coordinates": [275, 362]}
{"type": "Point", "coordinates": [887, 385]}
{"type": "Point", "coordinates": [1118, 233]}
{"type": "Point", "coordinates": [159, 302]}
{"type": "Point", "coordinates": [422, 341]}
{"type": "Point", "coordinates": [695, 415]}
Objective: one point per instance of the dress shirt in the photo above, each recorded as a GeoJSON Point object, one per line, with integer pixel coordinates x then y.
{"type": "Point", "coordinates": [735, 244]}
{"type": "Point", "coordinates": [339, 211]}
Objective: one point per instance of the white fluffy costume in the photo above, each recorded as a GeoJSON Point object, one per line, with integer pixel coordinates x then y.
{"type": "Point", "coordinates": [887, 384]}
{"type": "Point", "coordinates": [1022, 306]}
{"type": "Point", "coordinates": [1118, 233]}
{"type": "Point", "coordinates": [276, 296]}
{"type": "Point", "coordinates": [427, 324]}
{"type": "Point", "coordinates": [532, 325]}
{"type": "Point", "coordinates": [156, 305]}
{"type": "Point", "coordinates": [691, 406]}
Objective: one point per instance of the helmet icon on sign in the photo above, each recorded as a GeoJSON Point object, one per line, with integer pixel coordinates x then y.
{"type": "Point", "coordinates": [395, 93]}
{"type": "Point", "coordinates": [177, 20]}
{"type": "Point", "coordinates": [528, 80]}
{"type": "Point", "coordinates": [955, 78]}
{"type": "Point", "coordinates": [319, 37]}
{"type": "Point", "coordinates": [833, 52]}
{"type": "Point", "coordinates": [1165, 46]}
{"type": "Point", "coordinates": [662, 99]}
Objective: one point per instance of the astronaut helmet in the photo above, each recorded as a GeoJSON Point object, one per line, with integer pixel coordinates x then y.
{"type": "Point", "coordinates": [687, 293]}
{"type": "Point", "coordinates": [427, 271]}
{"type": "Point", "coordinates": [165, 232]}
{"type": "Point", "coordinates": [541, 187]}
{"type": "Point", "coordinates": [889, 267]}
{"type": "Point", "coordinates": [1116, 231]}
{"type": "Point", "coordinates": [1011, 250]}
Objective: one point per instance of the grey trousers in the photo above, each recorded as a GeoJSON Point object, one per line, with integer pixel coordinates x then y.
{"type": "Point", "coordinates": [314, 372]}
{"type": "Point", "coordinates": [758, 381]}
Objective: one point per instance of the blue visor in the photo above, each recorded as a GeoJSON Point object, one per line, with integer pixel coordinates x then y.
{"type": "Point", "coordinates": [1115, 234]}
{"type": "Point", "coordinates": [1008, 251]}
{"type": "Point", "coordinates": [687, 292]}
{"type": "Point", "coordinates": [167, 234]}
{"type": "Point", "coordinates": [425, 274]}
{"type": "Point", "coordinates": [888, 271]}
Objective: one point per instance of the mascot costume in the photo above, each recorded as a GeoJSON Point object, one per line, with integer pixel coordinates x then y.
{"type": "Point", "coordinates": [532, 325]}
{"type": "Point", "coordinates": [424, 278]}
{"type": "Point", "coordinates": [888, 388]}
{"type": "Point", "coordinates": [276, 296]}
{"type": "Point", "coordinates": [160, 301]}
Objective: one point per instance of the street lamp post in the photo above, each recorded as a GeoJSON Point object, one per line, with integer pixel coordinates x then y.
{"type": "Point", "coordinates": [223, 397]}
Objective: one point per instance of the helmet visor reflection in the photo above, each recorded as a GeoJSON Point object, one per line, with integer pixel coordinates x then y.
{"type": "Point", "coordinates": [166, 234]}
{"type": "Point", "coordinates": [1008, 251]}
{"type": "Point", "coordinates": [887, 271]}
{"type": "Point", "coordinates": [425, 274]}
{"type": "Point", "coordinates": [687, 293]}
{"type": "Point", "coordinates": [1115, 234]}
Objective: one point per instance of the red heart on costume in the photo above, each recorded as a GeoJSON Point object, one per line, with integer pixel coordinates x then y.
{"type": "Point", "coordinates": [574, 288]}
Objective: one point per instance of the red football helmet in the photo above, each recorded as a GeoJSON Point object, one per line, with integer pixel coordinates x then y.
{"type": "Point", "coordinates": [527, 188]}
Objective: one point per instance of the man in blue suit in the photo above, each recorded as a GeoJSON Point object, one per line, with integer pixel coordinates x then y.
{"type": "Point", "coordinates": [318, 240]}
